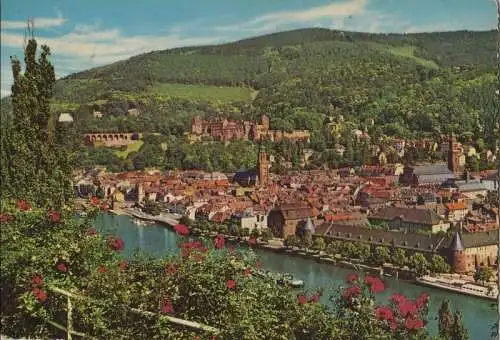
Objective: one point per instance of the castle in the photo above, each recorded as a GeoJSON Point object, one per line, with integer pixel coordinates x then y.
{"type": "Point", "coordinates": [226, 130]}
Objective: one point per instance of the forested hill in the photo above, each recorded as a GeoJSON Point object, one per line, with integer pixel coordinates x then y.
{"type": "Point", "coordinates": [392, 84]}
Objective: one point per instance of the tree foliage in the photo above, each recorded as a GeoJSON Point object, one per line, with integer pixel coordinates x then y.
{"type": "Point", "coordinates": [35, 163]}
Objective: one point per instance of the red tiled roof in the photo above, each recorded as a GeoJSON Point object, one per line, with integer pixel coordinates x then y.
{"type": "Point", "coordinates": [456, 206]}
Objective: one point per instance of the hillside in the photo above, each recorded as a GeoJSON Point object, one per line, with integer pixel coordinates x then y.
{"type": "Point", "coordinates": [330, 82]}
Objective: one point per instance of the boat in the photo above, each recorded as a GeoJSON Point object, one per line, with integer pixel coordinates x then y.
{"type": "Point", "coordinates": [460, 286]}
{"type": "Point", "coordinates": [285, 279]}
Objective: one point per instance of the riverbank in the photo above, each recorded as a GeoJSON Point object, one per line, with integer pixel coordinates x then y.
{"type": "Point", "coordinates": [277, 246]}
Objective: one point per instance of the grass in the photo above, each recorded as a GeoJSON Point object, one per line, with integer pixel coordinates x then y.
{"type": "Point", "coordinates": [409, 52]}
{"type": "Point", "coordinates": [135, 146]}
{"type": "Point", "coordinates": [207, 93]}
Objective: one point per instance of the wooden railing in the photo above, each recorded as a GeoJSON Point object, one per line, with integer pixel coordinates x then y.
{"type": "Point", "coordinates": [69, 309]}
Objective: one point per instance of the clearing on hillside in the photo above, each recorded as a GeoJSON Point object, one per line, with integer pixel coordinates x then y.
{"type": "Point", "coordinates": [204, 92]}
{"type": "Point", "coordinates": [135, 146]}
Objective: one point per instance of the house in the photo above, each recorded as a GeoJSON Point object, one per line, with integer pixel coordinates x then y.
{"type": "Point", "coordinates": [251, 220]}
{"type": "Point", "coordinates": [410, 219]}
{"type": "Point", "coordinates": [284, 220]}
{"type": "Point", "coordinates": [456, 211]}
{"type": "Point", "coordinates": [425, 174]}
{"type": "Point", "coordinates": [472, 189]}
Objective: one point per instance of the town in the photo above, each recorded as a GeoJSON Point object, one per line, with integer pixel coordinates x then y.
{"type": "Point", "coordinates": [438, 210]}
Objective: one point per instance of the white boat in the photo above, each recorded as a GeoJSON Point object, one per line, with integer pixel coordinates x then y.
{"type": "Point", "coordinates": [460, 286]}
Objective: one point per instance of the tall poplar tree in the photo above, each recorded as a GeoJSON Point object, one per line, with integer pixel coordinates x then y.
{"type": "Point", "coordinates": [35, 164]}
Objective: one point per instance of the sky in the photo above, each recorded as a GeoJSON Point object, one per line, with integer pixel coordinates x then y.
{"type": "Point", "coordinates": [90, 33]}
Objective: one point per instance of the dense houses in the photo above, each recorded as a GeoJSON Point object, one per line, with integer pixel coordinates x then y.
{"type": "Point", "coordinates": [438, 213]}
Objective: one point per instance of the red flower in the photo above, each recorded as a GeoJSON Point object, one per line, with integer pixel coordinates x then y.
{"type": "Point", "coordinates": [62, 267]}
{"type": "Point", "coordinates": [219, 241]}
{"type": "Point", "coordinates": [123, 265]}
{"type": "Point", "coordinates": [398, 298]}
{"type": "Point", "coordinates": [95, 200]}
{"type": "Point", "coordinates": [54, 216]}
{"type": "Point", "coordinates": [91, 232]}
{"type": "Point", "coordinates": [302, 299]}
{"type": "Point", "coordinates": [376, 285]}
{"type": "Point", "coordinates": [167, 307]}
{"type": "Point", "coordinates": [247, 271]}
{"type": "Point", "coordinates": [102, 269]}
{"type": "Point", "coordinates": [115, 243]}
{"type": "Point", "coordinates": [23, 205]}
{"type": "Point", "coordinates": [422, 300]}
{"type": "Point", "coordinates": [412, 323]}
{"type": "Point", "coordinates": [407, 308]}
{"type": "Point", "coordinates": [181, 229]}
{"type": "Point", "coordinates": [231, 284]}
{"type": "Point", "coordinates": [252, 241]}
{"type": "Point", "coordinates": [384, 313]}
{"type": "Point", "coordinates": [314, 298]}
{"type": "Point", "coordinates": [171, 270]}
{"type": "Point", "coordinates": [37, 280]}
{"type": "Point", "coordinates": [40, 295]}
{"type": "Point", "coordinates": [351, 278]}
{"type": "Point", "coordinates": [5, 218]}
{"type": "Point", "coordinates": [394, 325]}
{"type": "Point", "coordinates": [351, 292]}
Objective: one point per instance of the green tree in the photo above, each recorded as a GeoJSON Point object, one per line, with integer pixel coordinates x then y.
{"type": "Point", "coordinates": [418, 263]}
{"type": "Point", "coordinates": [35, 163]}
{"type": "Point", "coordinates": [445, 319]}
{"type": "Point", "coordinates": [381, 255]}
{"type": "Point", "coordinates": [399, 257]}
{"type": "Point", "coordinates": [483, 274]}
{"type": "Point", "coordinates": [458, 330]}
{"type": "Point", "coordinates": [319, 243]}
{"type": "Point", "coordinates": [439, 265]}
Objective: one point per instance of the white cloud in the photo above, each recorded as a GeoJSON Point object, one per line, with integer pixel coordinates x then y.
{"type": "Point", "coordinates": [39, 22]}
{"type": "Point", "coordinates": [272, 21]}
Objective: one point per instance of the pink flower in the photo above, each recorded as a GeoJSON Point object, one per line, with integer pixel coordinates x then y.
{"type": "Point", "coordinates": [123, 265]}
{"type": "Point", "coordinates": [394, 325]}
{"type": "Point", "coordinates": [23, 205]}
{"type": "Point", "coordinates": [314, 298]}
{"type": "Point", "coordinates": [54, 216]}
{"type": "Point", "coordinates": [351, 278]}
{"type": "Point", "coordinates": [247, 271]}
{"type": "Point", "coordinates": [351, 292]}
{"type": "Point", "coordinates": [398, 298]}
{"type": "Point", "coordinates": [167, 307]}
{"type": "Point", "coordinates": [102, 269]}
{"type": "Point", "coordinates": [231, 284]}
{"type": "Point", "coordinates": [40, 295]}
{"type": "Point", "coordinates": [95, 200]}
{"type": "Point", "coordinates": [422, 300]}
{"type": "Point", "coordinates": [384, 313]}
{"type": "Point", "coordinates": [219, 241]}
{"type": "Point", "coordinates": [62, 267]}
{"type": "Point", "coordinates": [181, 229]}
{"type": "Point", "coordinates": [5, 218]}
{"type": "Point", "coordinates": [407, 308]}
{"type": "Point", "coordinates": [115, 243]}
{"type": "Point", "coordinates": [252, 241]}
{"type": "Point", "coordinates": [302, 299]}
{"type": "Point", "coordinates": [104, 206]}
{"type": "Point", "coordinates": [171, 270]}
{"type": "Point", "coordinates": [37, 280]}
{"type": "Point", "coordinates": [376, 285]}
{"type": "Point", "coordinates": [91, 232]}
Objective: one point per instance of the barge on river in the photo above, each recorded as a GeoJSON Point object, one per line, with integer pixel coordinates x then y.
{"type": "Point", "coordinates": [459, 286]}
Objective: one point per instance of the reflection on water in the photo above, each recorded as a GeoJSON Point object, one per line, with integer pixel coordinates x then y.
{"type": "Point", "coordinates": [479, 315]}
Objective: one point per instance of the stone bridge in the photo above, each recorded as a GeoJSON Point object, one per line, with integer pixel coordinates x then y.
{"type": "Point", "coordinates": [112, 139]}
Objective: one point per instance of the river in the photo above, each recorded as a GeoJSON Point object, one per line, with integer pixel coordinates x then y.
{"type": "Point", "coordinates": [157, 240]}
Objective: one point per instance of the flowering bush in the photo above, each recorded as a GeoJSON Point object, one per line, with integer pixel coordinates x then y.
{"type": "Point", "coordinates": [215, 288]}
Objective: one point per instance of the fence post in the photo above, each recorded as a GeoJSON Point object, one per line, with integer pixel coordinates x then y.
{"type": "Point", "coordinates": [69, 326]}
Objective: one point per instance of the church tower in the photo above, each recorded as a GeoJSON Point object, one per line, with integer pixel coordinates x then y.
{"type": "Point", "coordinates": [263, 168]}
{"type": "Point", "coordinates": [454, 155]}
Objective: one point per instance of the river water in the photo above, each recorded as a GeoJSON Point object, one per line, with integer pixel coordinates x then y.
{"type": "Point", "coordinates": [479, 315]}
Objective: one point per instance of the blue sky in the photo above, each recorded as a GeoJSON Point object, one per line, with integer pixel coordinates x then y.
{"type": "Point", "coordinates": [85, 34]}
